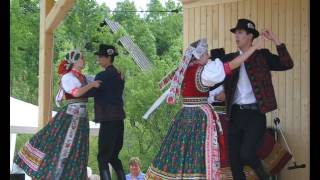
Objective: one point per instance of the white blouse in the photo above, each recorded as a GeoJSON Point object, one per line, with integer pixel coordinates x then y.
{"type": "Point", "coordinates": [71, 84]}
{"type": "Point", "coordinates": [213, 73]}
{"type": "Point", "coordinates": [215, 92]}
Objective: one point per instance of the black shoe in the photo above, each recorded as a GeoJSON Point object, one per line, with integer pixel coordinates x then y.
{"type": "Point", "coordinates": [121, 175]}
{"type": "Point", "coordinates": [262, 175]}
{"type": "Point", "coordinates": [105, 174]}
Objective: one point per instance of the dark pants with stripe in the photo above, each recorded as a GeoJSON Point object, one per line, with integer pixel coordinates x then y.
{"type": "Point", "coordinates": [246, 131]}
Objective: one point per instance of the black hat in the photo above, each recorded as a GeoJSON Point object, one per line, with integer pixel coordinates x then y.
{"type": "Point", "coordinates": [247, 25]}
{"type": "Point", "coordinates": [107, 50]}
{"type": "Point", "coordinates": [217, 53]}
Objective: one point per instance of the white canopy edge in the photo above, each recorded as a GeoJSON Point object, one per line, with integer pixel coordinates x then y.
{"type": "Point", "coordinates": [24, 118]}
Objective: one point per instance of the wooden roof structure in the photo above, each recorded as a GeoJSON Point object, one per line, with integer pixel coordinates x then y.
{"type": "Point", "coordinates": [51, 15]}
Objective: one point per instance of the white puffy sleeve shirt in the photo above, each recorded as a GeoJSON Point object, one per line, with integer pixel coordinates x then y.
{"type": "Point", "coordinates": [70, 84]}
{"type": "Point", "coordinates": [215, 92]}
{"type": "Point", "coordinates": [213, 73]}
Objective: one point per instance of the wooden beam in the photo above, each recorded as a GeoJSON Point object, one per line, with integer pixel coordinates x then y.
{"type": "Point", "coordinates": [199, 3]}
{"type": "Point", "coordinates": [45, 65]}
{"type": "Point", "coordinates": [57, 14]}
{"type": "Point", "coordinates": [188, 1]}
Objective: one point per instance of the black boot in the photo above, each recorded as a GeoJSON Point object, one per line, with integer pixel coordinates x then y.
{"type": "Point", "coordinates": [120, 175]}
{"type": "Point", "coordinates": [262, 174]}
{"type": "Point", "coordinates": [105, 174]}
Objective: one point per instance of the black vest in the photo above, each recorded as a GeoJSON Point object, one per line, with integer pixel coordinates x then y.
{"type": "Point", "coordinates": [108, 100]}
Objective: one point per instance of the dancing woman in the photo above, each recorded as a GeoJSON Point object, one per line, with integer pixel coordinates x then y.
{"type": "Point", "coordinates": [60, 149]}
{"type": "Point", "coordinates": [192, 148]}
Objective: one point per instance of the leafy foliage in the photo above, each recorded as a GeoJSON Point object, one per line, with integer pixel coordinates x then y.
{"type": "Point", "coordinates": [159, 35]}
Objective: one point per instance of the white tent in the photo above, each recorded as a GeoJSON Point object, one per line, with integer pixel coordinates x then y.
{"type": "Point", "coordinates": [24, 119]}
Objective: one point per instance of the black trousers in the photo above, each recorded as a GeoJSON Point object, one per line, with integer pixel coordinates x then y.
{"type": "Point", "coordinates": [247, 128]}
{"type": "Point", "coordinates": [110, 144]}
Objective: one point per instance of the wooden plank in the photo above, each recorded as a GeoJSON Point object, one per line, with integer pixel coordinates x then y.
{"type": "Point", "coordinates": [305, 86]}
{"type": "Point", "coordinates": [282, 80]}
{"type": "Point", "coordinates": [297, 146]}
{"type": "Point", "coordinates": [185, 28]}
{"type": "Point", "coordinates": [206, 3]}
{"type": "Point", "coordinates": [49, 4]}
{"type": "Point", "coordinates": [274, 29]}
{"type": "Point", "coordinates": [215, 27]}
{"type": "Point", "coordinates": [240, 9]}
{"type": "Point", "coordinates": [292, 126]}
{"type": "Point", "coordinates": [285, 174]}
{"type": "Point", "coordinates": [197, 20]}
{"type": "Point", "coordinates": [45, 65]}
{"type": "Point", "coordinates": [247, 9]}
{"type": "Point", "coordinates": [221, 26]}
{"type": "Point", "coordinates": [260, 22]}
{"type": "Point", "coordinates": [227, 25]}
{"type": "Point", "coordinates": [209, 27]}
{"type": "Point", "coordinates": [203, 22]}
{"type": "Point", "coordinates": [267, 20]}
{"type": "Point", "coordinates": [234, 19]}
{"type": "Point", "coordinates": [57, 14]}
{"type": "Point", "coordinates": [188, 1]}
{"type": "Point", "coordinates": [191, 26]}
{"type": "Point", "coordinates": [254, 11]}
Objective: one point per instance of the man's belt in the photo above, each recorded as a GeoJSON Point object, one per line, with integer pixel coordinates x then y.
{"type": "Point", "coordinates": [253, 106]}
{"type": "Point", "coordinates": [218, 103]}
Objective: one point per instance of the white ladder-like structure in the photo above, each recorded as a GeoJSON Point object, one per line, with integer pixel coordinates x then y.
{"type": "Point", "coordinates": [138, 56]}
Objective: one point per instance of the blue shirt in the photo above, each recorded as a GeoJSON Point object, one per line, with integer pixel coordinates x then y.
{"type": "Point", "coordinates": [139, 177]}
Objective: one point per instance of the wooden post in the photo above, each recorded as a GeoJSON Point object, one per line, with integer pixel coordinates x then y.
{"type": "Point", "coordinates": [45, 65]}
{"type": "Point", "coordinates": [58, 12]}
{"type": "Point", "coordinates": [51, 14]}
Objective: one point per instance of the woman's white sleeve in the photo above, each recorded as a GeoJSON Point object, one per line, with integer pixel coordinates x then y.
{"type": "Point", "coordinates": [70, 84]}
{"type": "Point", "coordinates": [215, 92]}
{"type": "Point", "coordinates": [213, 73]}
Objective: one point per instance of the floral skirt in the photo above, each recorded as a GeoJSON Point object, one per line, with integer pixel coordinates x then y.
{"type": "Point", "coordinates": [182, 154]}
{"type": "Point", "coordinates": [60, 149]}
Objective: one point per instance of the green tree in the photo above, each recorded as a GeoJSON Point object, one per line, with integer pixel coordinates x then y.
{"type": "Point", "coordinates": [159, 35]}
{"type": "Point", "coordinates": [136, 27]}
{"type": "Point", "coordinates": [167, 27]}
{"type": "Point", "coordinates": [24, 45]}
{"type": "Point", "coordinates": [155, 5]}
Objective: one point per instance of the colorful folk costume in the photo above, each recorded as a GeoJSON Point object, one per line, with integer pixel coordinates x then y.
{"type": "Point", "coordinates": [220, 108]}
{"type": "Point", "coordinates": [249, 96]}
{"type": "Point", "coordinates": [60, 149]}
{"type": "Point", "coordinates": [193, 146]}
{"type": "Point", "coordinates": [109, 112]}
